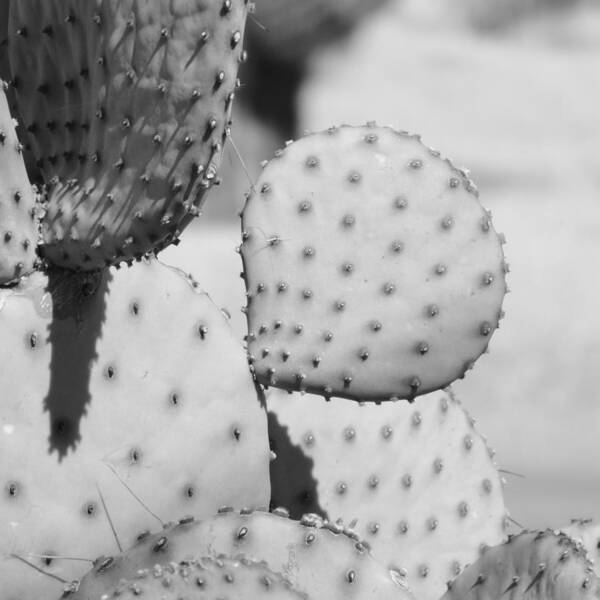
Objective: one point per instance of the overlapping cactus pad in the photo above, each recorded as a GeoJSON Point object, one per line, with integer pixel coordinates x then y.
{"type": "Point", "coordinates": [372, 270]}
{"type": "Point", "coordinates": [587, 532]}
{"type": "Point", "coordinates": [537, 565]}
{"type": "Point", "coordinates": [200, 579]}
{"type": "Point", "coordinates": [318, 559]}
{"type": "Point", "coordinates": [126, 105]}
{"type": "Point", "coordinates": [418, 480]}
{"type": "Point", "coordinates": [117, 385]}
{"type": "Point", "coordinates": [19, 210]}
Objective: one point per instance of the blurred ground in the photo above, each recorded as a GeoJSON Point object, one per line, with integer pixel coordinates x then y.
{"type": "Point", "coordinates": [520, 106]}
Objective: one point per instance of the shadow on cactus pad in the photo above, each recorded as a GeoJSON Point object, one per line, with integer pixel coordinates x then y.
{"type": "Point", "coordinates": [149, 421]}
{"type": "Point", "coordinates": [78, 312]}
{"type": "Point", "coordinates": [291, 470]}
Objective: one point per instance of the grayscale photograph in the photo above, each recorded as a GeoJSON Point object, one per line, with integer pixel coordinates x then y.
{"type": "Point", "coordinates": [298, 299]}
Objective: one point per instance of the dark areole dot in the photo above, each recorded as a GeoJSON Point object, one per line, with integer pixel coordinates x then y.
{"type": "Point", "coordinates": [12, 489]}
{"type": "Point", "coordinates": [61, 427]}
{"type": "Point", "coordinates": [90, 509]}
{"type": "Point", "coordinates": [47, 557]}
{"type": "Point", "coordinates": [33, 339]}
{"type": "Point", "coordinates": [135, 455]}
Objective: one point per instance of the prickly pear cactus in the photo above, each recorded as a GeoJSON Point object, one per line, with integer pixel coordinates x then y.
{"type": "Point", "coordinates": [318, 559]}
{"type": "Point", "coordinates": [126, 105]}
{"type": "Point", "coordinates": [19, 208]}
{"type": "Point", "coordinates": [419, 480]}
{"type": "Point", "coordinates": [538, 565]}
{"type": "Point", "coordinates": [126, 399]}
{"type": "Point", "coordinates": [208, 577]}
{"type": "Point", "coordinates": [586, 532]}
{"type": "Point", "coordinates": [372, 271]}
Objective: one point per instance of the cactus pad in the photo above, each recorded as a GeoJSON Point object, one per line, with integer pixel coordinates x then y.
{"type": "Point", "coordinates": [130, 380]}
{"type": "Point", "coordinates": [372, 271]}
{"type": "Point", "coordinates": [126, 104]}
{"type": "Point", "coordinates": [540, 565]}
{"type": "Point", "coordinates": [19, 215]}
{"type": "Point", "coordinates": [207, 577]}
{"type": "Point", "coordinates": [587, 532]}
{"type": "Point", "coordinates": [418, 479]}
{"type": "Point", "coordinates": [319, 560]}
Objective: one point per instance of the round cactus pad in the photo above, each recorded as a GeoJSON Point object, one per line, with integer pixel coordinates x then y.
{"type": "Point", "coordinates": [318, 559]}
{"type": "Point", "coordinates": [418, 479]}
{"type": "Point", "coordinates": [372, 270]}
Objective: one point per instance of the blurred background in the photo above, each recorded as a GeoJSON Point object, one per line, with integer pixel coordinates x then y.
{"type": "Point", "coordinates": [509, 89]}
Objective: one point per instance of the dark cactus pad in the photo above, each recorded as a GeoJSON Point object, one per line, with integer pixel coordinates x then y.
{"type": "Point", "coordinates": [19, 210]}
{"type": "Point", "coordinates": [542, 565]}
{"type": "Point", "coordinates": [127, 106]}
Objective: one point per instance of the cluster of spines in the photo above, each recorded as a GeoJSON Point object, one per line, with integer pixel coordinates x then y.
{"type": "Point", "coordinates": [202, 575]}
{"type": "Point", "coordinates": [523, 583]}
{"type": "Point", "coordinates": [20, 206]}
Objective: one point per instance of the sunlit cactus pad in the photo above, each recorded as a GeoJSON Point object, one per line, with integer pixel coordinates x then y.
{"type": "Point", "coordinates": [116, 386]}
{"type": "Point", "coordinates": [205, 578]}
{"type": "Point", "coordinates": [419, 480]}
{"type": "Point", "coordinates": [372, 270]}
{"type": "Point", "coordinates": [318, 559]}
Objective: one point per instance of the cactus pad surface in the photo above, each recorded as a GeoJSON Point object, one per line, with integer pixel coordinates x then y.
{"type": "Point", "coordinates": [372, 270]}
{"type": "Point", "coordinates": [19, 214]}
{"type": "Point", "coordinates": [126, 105]}
{"type": "Point", "coordinates": [587, 532]}
{"type": "Point", "coordinates": [539, 565]}
{"type": "Point", "coordinates": [125, 395]}
{"type": "Point", "coordinates": [318, 559]}
{"type": "Point", "coordinates": [222, 578]}
{"type": "Point", "coordinates": [418, 480]}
